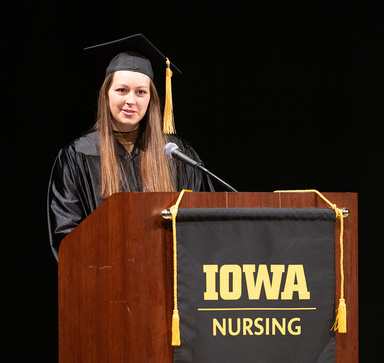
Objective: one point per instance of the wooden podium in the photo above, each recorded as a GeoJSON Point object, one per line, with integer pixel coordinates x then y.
{"type": "Point", "coordinates": [115, 275]}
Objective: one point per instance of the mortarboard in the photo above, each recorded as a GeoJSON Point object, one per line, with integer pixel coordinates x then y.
{"type": "Point", "coordinates": [136, 53]}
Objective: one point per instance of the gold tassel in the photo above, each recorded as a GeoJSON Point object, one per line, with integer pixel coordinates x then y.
{"type": "Point", "coordinates": [168, 118]}
{"type": "Point", "coordinates": [175, 328]}
{"type": "Point", "coordinates": [341, 317]}
{"type": "Point", "coordinates": [175, 317]}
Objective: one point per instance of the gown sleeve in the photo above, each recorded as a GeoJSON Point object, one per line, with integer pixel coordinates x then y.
{"type": "Point", "coordinates": [75, 177]}
{"type": "Point", "coordinates": [65, 211]}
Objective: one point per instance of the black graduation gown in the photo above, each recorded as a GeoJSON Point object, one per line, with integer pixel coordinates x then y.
{"type": "Point", "coordinates": [74, 186]}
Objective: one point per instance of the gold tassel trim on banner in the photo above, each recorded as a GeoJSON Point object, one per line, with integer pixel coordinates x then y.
{"type": "Point", "coordinates": [175, 328]}
{"type": "Point", "coordinates": [341, 316]}
{"type": "Point", "coordinates": [168, 118]}
{"type": "Point", "coordinates": [175, 317]}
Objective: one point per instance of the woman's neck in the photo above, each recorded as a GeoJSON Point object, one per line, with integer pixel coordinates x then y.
{"type": "Point", "coordinates": [127, 139]}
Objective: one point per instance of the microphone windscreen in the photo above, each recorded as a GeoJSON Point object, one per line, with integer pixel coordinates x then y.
{"type": "Point", "coordinates": [169, 148]}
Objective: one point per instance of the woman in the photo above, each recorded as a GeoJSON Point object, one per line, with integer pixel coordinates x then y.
{"type": "Point", "coordinates": [124, 150]}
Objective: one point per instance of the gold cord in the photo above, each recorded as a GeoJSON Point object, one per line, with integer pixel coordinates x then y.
{"type": "Point", "coordinates": [175, 317]}
{"type": "Point", "coordinates": [341, 317]}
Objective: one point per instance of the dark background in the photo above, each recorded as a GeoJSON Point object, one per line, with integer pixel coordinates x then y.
{"type": "Point", "coordinates": [274, 95]}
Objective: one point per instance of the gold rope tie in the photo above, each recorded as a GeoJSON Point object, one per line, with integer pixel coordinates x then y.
{"type": "Point", "coordinates": [175, 317]}
{"type": "Point", "coordinates": [341, 316]}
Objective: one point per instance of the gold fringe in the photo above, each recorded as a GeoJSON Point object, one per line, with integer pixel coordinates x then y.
{"type": "Point", "coordinates": [176, 328]}
{"type": "Point", "coordinates": [168, 118]}
{"type": "Point", "coordinates": [341, 316]}
{"type": "Point", "coordinates": [175, 317]}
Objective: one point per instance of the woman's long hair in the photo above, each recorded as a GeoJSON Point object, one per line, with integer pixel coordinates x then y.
{"type": "Point", "coordinates": [155, 171]}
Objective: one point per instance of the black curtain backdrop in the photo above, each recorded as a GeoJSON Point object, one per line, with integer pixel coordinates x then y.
{"type": "Point", "coordinates": [274, 95]}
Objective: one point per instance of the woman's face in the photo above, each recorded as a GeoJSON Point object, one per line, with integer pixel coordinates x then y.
{"type": "Point", "coordinates": [129, 97]}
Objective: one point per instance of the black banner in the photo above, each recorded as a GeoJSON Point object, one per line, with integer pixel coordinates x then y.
{"type": "Point", "coordinates": [256, 285]}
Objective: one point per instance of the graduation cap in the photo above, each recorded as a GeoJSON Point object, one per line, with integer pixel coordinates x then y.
{"type": "Point", "coordinates": [137, 54]}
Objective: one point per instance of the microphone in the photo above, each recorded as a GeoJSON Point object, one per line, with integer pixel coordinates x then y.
{"type": "Point", "coordinates": [172, 151]}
